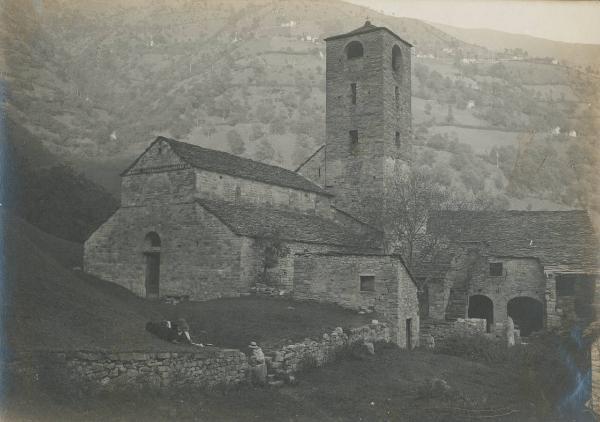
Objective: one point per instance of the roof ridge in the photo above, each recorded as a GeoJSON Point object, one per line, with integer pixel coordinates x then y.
{"type": "Point", "coordinates": [310, 158]}
{"type": "Point", "coordinates": [170, 140]}
{"type": "Point", "coordinates": [366, 28]}
{"type": "Point", "coordinates": [234, 165]}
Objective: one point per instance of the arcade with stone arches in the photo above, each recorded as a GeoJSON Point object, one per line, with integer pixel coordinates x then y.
{"type": "Point", "coordinates": [526, 312]}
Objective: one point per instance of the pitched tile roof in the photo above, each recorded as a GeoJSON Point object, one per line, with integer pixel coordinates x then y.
{"type": "Point", "coordinates": [223, 162]}
{"type": "Point", "coordinates": [366, 28]}
{"type": "Point", "coordinates": [561, 240]}
{"type": "Point", "coordinates": [256, 221]}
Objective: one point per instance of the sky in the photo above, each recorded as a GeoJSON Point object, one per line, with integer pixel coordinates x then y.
{"type": "Point", "coordinates": [570, 21]}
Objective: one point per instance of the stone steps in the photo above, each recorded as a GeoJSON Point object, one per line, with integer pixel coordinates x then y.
{"type": "Point", "coordinates": [457, 304]}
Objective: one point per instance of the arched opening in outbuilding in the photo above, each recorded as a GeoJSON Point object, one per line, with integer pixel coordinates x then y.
{"type": "Point", "coordinates": [527, 314]}
{"type": "Point", "coordinates": [152, 245]}
{"type": "Point", "coordinates": [481, 306]}
{"type": "Point", "coordinates": [354, 50]}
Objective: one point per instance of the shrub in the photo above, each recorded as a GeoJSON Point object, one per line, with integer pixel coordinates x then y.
{"type": "Point", "coordinates": [478, 348]}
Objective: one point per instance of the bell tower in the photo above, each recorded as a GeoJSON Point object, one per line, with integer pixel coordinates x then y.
{"type": "Point", "coordinates": [368, 116]}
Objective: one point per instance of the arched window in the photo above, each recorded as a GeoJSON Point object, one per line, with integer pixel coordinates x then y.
{"type": "Point", "coordinates": [396, 58]}
{"type": "Point", "coordinates": [354, 50]}
{"type": "Point", "coordinates": [152, 240]}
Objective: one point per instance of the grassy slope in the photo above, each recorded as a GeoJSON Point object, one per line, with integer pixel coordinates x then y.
{"type": "Point", "coordinates": [52, 307]}
{"type": "Point", "coordinates": [384, 388]}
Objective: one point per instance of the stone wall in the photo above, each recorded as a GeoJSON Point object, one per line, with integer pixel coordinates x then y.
{"type": "Point", "coordinates": [295, 357]}
{"type": "Point", "coordinates": [96, 371]}
{"type": "Point", "coordinates": [234, 189]}
{"type": "Point", "coordinates": [126, 371]}
{"type": "Point", "coordinates": [199, 256]}
{"type": "Point", "coordinates": [159, 175]}
{"type": "Point", "coordinates": [441, 330]}
{"type": "Point", "coordinates": [523, 277]}
{"type": "Point", "coordinates": [438, 290]}
{"type": "Point", "coordinates": [470, 273]}
{"type": "Point", "coordinates": [336, 278]}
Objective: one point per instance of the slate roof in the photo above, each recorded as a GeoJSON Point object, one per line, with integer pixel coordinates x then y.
{"type": "Point", "coordinates": [256, 221]}
{"type": "Point", "coordinates": [366, 28]}
{"type": "Point", "coordinates": [225, 163]}
{"type": "Point", "coordinates": [561, 240]}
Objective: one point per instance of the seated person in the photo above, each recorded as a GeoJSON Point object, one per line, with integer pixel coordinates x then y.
{"type": "Point", "coordinates": [183, 331]}
{"type": "Point", "coordinates": [162, 330]}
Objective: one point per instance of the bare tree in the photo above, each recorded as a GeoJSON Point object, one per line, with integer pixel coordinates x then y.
{"type": "Point", "coordinates": [412, 196]}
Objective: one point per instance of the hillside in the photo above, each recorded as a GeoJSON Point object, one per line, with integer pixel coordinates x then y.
{"type": "Point", "coordinates": [97, 84]}
{"type": "Point", "coordinates": [45, 191]}
{"type": "Point", "coordinates": [578, 54]}
{"type": "Point", "coordinates": [48, 306]}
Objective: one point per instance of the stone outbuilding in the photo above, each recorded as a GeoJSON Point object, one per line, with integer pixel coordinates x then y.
{"type": "Point", "coordinates": [538, 267]}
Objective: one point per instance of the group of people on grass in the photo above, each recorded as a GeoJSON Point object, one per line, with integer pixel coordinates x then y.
{"type": "Point", "coordinates": [174, 332]}
{"type": "Point", "coordinates": [179, 332]}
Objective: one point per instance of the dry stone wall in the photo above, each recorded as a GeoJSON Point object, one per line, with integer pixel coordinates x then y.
{"type": "Point", "coordinates": [312, 353]}
{"type": "Point", "coordinates": [98, 371]}
{"type": "Point", "coordinates": [126, 371]}
{"type": "Point", "coordinates": [441, 330]}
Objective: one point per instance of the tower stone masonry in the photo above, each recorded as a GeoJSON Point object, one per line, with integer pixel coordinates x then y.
{"type": "Point", "coordinates": [368, 116]}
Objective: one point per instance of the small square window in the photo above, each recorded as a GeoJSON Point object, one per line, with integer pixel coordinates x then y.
{"type": "Point", "coordinates": [353, 89]}
{"type": "Point", "coordinates": [367, 283]}
{"type": "Point", "coordinates": [496, 269]}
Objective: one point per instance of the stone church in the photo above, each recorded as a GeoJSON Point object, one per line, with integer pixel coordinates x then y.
{"type": "Point", "coordinates": [202, 223]}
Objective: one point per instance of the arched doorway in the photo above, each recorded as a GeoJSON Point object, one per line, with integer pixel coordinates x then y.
{"type": "Point", "coordinates": [527, 314]}
{"type": "Point", "coordinates": [152, 253]}
{"type": "Point", "coordinates": [482, 307]}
